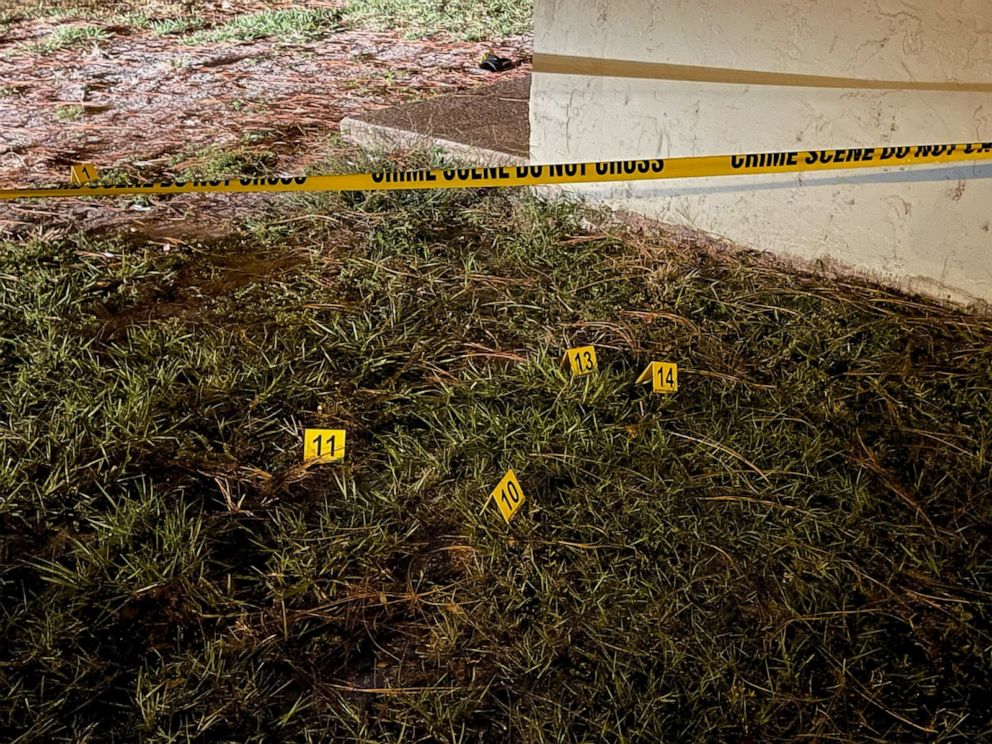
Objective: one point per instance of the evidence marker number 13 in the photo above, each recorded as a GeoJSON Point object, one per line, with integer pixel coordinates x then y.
{"type": "Point", "coordinates": [582, 360]}
{"type": "Point", "coordinates": [508, 495]}
{"type": "Point", "coordinates": [323, 445]}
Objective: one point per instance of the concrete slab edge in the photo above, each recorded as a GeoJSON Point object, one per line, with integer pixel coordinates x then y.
{"type": "Point", "coordinates": [385, 139]}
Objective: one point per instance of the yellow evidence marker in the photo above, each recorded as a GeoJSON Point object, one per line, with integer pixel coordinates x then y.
{"type": "Point", "coordinates": [582, 360]}
{"type": "Point", "coordinates": [323, 445]}
{"type": "Point", "coordinates": [83, 173]}
{"type": "Point", "coordinates": [664, 377]}
{"type": "Point", "coordinates": [508, 495]}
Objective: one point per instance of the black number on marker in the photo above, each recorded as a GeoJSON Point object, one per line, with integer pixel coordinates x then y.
{"type": "Point", "coordinates": [670, 377]}
{"type": "Point", "coordinates": [319, 441]}
{"type": "Point", "coordinates": [578, 361]}
{"type": "Point", "coordinates": [510, 494]}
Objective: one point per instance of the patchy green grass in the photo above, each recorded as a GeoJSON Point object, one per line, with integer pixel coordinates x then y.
{"type": "Point", "coordinates": [133, 19]}
{"type": "Point", "coordinates": [65, 37]}
{"type": "Point", "coordinates": [69, 113]}
{"type": "Point", "coordinates": [98, 9]}
{"type": "Point", "coordinates": [225, 162]}
{"type": "Point", "coordinates": [199, 23]}
{"type": "Point", "coordinates": [469, 19]}
{"type": "Point", "coordinates": [18, 10]}
{"type": "Point", "coordinates": [795, 544]}
{"type": "Point", "coordinates": [285, 25]}
{"type": "Point", "coordinates": [176, 26]}
{"type": "Point", "coordinates": [7, 19]}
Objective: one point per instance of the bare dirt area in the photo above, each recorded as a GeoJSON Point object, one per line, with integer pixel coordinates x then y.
{"type": "Point", "coordinates": [143, 105]}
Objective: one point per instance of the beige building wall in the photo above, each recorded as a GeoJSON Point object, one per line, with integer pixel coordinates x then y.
{"type": "Point", "coordinates": [926, 228]}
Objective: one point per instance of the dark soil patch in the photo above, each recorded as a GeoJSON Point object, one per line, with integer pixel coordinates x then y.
{"type": "Point", "coordinates": [183, 295]}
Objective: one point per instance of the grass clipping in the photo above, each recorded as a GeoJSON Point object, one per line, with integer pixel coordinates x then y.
{"type": "Point", "coordinates": [794, 544]}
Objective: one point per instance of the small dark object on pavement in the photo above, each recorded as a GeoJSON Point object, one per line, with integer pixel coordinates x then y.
{"type": "Point", "coordinates": [496, 64]}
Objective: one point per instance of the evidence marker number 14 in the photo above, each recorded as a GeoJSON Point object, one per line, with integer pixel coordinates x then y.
{"type": "Point", "coordinates": [323, 445]}
{"type": "Point", "coordinates": [508, 495]}
{"type": "Point", "coordinates": [664, 377]}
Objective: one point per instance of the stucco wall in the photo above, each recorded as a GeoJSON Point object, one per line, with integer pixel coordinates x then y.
{"type": "Point", "coordinates": [926, 228]}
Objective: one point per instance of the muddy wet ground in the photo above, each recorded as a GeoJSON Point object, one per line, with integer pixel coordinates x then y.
{"type": "Point", "coordinates": [146, 106]}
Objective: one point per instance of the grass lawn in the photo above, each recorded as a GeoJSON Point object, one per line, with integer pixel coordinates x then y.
{"type": "Point", "coordinates": [795, 543]}
{"type": "Point", "coordinates": [198, 23]}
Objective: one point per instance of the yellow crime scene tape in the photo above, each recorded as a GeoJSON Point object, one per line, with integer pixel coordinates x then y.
{"type": "Point", "coordinates": [794, 161]}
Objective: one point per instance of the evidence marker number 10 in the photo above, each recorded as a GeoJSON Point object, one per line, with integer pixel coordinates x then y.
{"type": "Point", "coordinates": [508, 495]}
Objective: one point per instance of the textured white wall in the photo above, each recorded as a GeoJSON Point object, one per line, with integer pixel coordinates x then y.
{"type": "Point", "coordinates": [926, 228]}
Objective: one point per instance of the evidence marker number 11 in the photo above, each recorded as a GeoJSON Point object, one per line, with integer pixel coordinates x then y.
{"type": "Point", "coordinates": [323, 445]}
